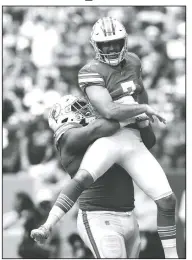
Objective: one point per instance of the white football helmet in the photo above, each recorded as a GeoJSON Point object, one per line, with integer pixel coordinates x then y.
{"type": "Point", "coordinates": [70, 109]}
{"type": "Point", "coordinates": [109, 29]}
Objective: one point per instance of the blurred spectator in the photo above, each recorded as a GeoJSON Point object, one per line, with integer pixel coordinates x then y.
{"type": "Point", "coordinates": [79, 250]}
{"type": "Point", "coordinates": [49, 175]}
{"type": "Point", "coordinates": [44, 47]}
{"type": "Point", "coordinates": [23, 206]}
{"type": "Point", "coordinates": [28, 248]}
{"type": "Point", "coordinates": [38, 145]}
{"type": "Point", "coordinates": [11, 157]}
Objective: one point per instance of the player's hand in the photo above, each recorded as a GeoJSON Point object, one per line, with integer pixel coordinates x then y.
{"type": "Point", "coordinates": [152, 112]}
{"type": "Point", "coordinates": [142, 120]}
{"type": "Point", "coordinates": [40, 235]}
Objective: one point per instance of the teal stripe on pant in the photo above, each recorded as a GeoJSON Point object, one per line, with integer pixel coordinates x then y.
{"type": "Point", "coordinates": [90, 235]}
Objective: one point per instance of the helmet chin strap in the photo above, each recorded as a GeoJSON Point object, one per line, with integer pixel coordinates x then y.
{"type": "Point", "coordinates": [112, 62]}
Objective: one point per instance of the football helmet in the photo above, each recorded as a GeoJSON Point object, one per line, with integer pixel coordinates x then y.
{"type": "Point", "coordinates": [109, 29]}
{"type": "Point", "coordinates": [70, 109]}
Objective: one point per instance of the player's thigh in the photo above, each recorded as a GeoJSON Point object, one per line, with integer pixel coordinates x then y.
{"type": "Point", "coordinates": [99, 157]}
{"type": "Point", "coordinates": [146, 172]}
{"type": "Point", "coordinates": [102, 238]}
{"type": "Point", "coordinates": [133, 242]}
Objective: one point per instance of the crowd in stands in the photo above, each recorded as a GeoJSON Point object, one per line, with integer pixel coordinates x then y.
{"type": "Point", "coordinates": [43, 50]}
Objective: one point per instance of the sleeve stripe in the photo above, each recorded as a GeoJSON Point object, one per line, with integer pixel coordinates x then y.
{"type": "Point", "coordinates": [64, 202]}
{"type": "Point", "coordinates": [83, 85]}
{"type": "Point", "coordinates": [61, 206]}
{"type": "Point", "coordinates": [88, 74]}
{"type": "Point", "coordinates": [94, 80]}
{"type": "Point", "coordinates": [64, 197]}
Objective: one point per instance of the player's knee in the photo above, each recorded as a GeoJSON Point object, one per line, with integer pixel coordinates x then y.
{"type": "Point", "coordinates": [84, 177]}
{"type": "Point", "coordinates": [112, 247]}
{"type": "Point", "coordinates": [167, 203]}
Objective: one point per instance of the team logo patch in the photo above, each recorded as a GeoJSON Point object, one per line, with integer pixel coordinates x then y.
{"type": "Point", "coordinates": [56, 110]}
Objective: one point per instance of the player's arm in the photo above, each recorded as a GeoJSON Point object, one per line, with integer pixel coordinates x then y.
{"type": "Point", "coordinates": [77, 139]}
{"type": "Point", "coordinates": [102, 101]}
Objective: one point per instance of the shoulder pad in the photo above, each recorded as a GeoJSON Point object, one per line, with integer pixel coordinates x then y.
{"type": "Point", "coordinates": [91, 74]}
{"type": "Point", "coordinates": [134, 58]}
{"type": "Point", "coordinates": [92, 66]}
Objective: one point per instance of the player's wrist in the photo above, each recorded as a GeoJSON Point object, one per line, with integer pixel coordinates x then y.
{"type": "Point", "coordinates": [47, 227]}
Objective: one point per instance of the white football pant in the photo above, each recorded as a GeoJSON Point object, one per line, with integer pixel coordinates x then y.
{"type": "Point", "coordinates": [126, 148]}
{"type": "Point", "coordinates": [110, 234]}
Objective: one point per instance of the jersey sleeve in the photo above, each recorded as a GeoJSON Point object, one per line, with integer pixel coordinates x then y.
{"type": "Point", "coordinates": [88, 76]}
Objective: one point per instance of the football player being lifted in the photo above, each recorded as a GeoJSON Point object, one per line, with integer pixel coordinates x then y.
{"type": "Point", "coordinates": [112, 82]}
{"type": "Point", "coordinates": [106, 208]}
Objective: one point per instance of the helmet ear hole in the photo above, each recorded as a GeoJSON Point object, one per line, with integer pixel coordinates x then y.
{"type": "Point", "coordinates": [64, 120]}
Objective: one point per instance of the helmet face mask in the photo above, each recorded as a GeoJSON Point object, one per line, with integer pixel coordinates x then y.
{"type": "Point", "coordinates": [112, 57]}
{"type": "Point", "coordinates": [108, 31]}
{"type": "Point", "coordinates": [71, 109]}
{"type": "Point", "coordinates": [82, 107]}
{"type": "Point", "coordinates": [82, 111]}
